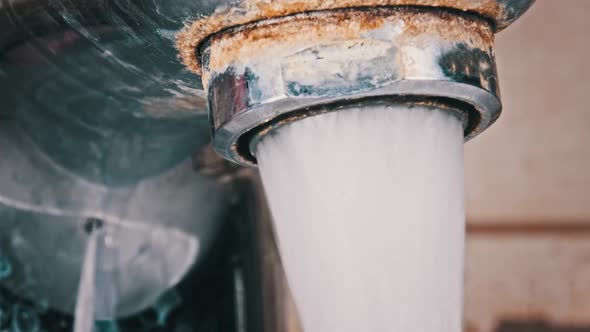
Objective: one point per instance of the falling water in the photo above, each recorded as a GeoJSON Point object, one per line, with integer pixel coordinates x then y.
{"type": "Point", "coordinates": [84, 314]}
{"type": "Point", "coordinates": [369, 212]}
{"type": "Point", "coordinates": [128, 268]}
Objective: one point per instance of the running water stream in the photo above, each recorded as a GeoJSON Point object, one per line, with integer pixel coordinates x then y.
{"type": "Point", "coordinates": [84, 315]}
{"type": "Point", "coordinates": [130, 266]}
{"type": "Point", "coordinates": [369, 213]}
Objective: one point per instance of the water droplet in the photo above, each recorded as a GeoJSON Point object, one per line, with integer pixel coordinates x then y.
{"type": "Point", "coordinates": [25, 319]}
{"type": "Point", "coordinates": [5, 267]}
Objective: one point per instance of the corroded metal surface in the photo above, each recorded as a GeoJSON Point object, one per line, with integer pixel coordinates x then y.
{"type": "Point", "coordinates": [258, 73]}
{"type": "Point", "coordinates": [500, 12]}
{"type": "Point", "coordinates": [378, 29]}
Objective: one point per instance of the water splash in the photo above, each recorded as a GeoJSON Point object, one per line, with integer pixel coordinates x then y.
{"type": "Point", "coordinates": [84, 314]}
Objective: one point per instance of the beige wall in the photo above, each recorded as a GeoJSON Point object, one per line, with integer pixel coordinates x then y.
{"type": "Point", "coordinates": [528, 186]}
{"type": "Point", "coordinates": [533, 165]}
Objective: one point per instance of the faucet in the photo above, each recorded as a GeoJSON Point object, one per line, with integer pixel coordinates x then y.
{"type": "Point", "coordinates": [267, 64]}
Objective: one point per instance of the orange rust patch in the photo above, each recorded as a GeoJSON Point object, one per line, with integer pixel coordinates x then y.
{"type": "Point", "coordinates": [454, 27]}
{"type": "Point", "coordinates": [300, 31]}
{"type": "Point", "coordinates": [250, 11]}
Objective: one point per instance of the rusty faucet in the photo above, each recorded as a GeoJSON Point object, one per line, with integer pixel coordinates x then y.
{"type": "Point", "coordinates": [268, 63]}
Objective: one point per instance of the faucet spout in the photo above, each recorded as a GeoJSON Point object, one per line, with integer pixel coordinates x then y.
{"type": "Point", "coordinates": [268, 68]}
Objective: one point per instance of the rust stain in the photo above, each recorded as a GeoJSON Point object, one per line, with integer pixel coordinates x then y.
{"type": "Point", "coordinates": [160, 107]}
{"type": "Point", "coordinates": [454, 27]}
{"type": "Point", "coordinates": [251, 11]}
{"type": "Point", "coordinates": [303, 30]}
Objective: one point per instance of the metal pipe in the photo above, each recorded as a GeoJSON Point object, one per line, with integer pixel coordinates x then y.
{"type": "Point", "coordinates": [264, 66]}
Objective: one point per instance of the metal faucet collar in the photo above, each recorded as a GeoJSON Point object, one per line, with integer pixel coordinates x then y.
{"type": "Point", "coordinates": [276, 63]}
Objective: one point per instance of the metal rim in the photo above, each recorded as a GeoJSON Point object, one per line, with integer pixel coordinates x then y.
{"type": "Point", "coordinates": [461, 111]}
{"type": "Point", "coordinates": [226, 140]}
